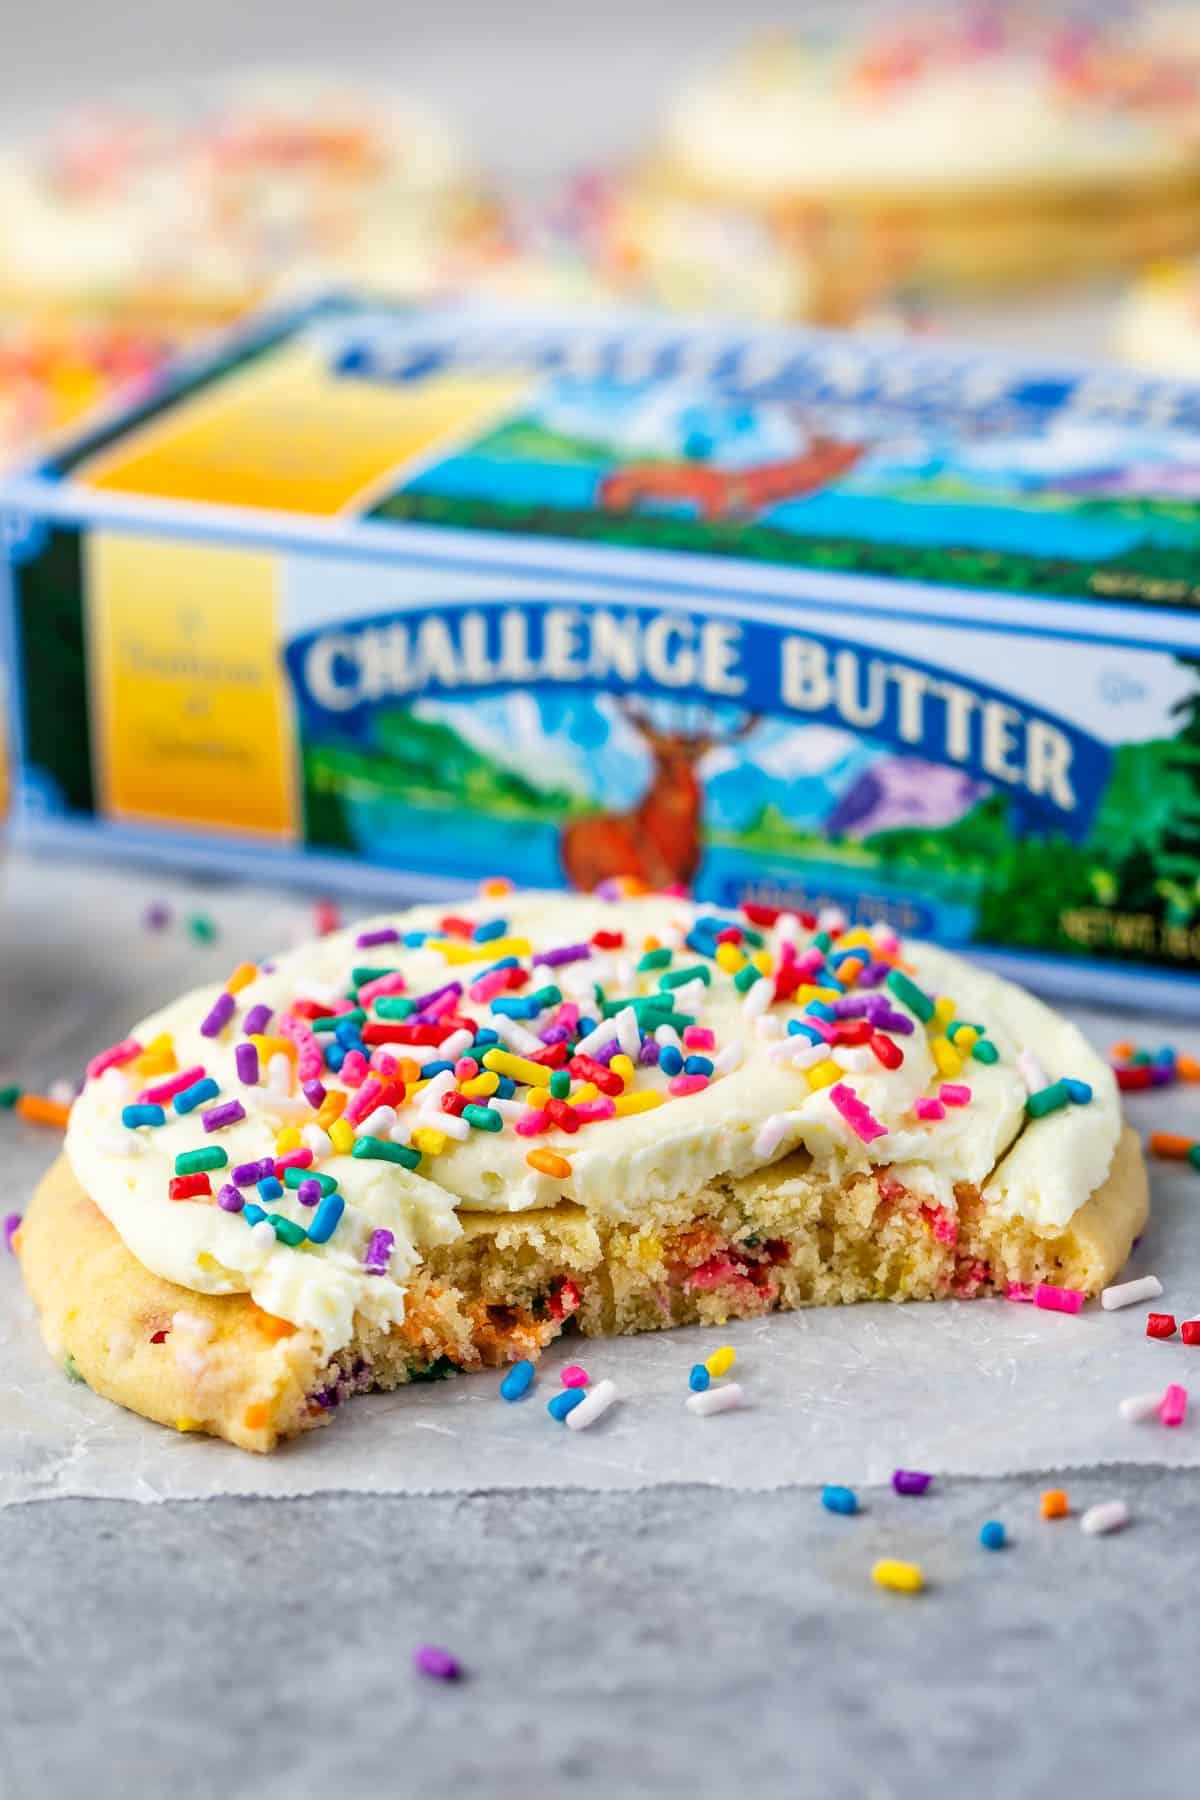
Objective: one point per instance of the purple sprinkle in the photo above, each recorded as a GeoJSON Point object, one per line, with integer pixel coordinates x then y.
{"type": "Point", "coordinates": [230, 1199]}
{"type": "Point", "coordinates": [567, 953]}
{"type": "Point", "coordinates": [314, 1092]}
{"type": "Point", "coordinates": [421, 1001]}
{"type": "Point", "coordinates": [247, 1174]}
{"type": "Point", "coordinates": [432, 1660]}
{"type": "Point", "coordinates": [222, 1011]}
{"type": "Point", "coordinates": [556, 1034]}
{"type": "Point", "coordinates": [12, 1222]}
{"type": "Point", "coordinates": [606, 1052]}
{"type": "Point", "coordinates": [217, 1117]}
{"type": "Point", "coordinates": [851, 1006]}
{"type": "Point", "coordinates": [309, 1192]}
{"type": "Point", "coordinates": [910, 1481]}
{"type": "Point", "coordinates": [157, 916]}
{"type": "Point", "coordinates": [257, 1019]}
{"type": "Point", "coordinates": [649, 1053]}
{"type": "Point", "coordinates": [1161, 1074]}
{"type": "Point", "coordinates": [246, 1059]}
{"type": "Point", "coordinates": [874, 975]}
{"type": "Point", "coordinates": [366, 940]}
{"type": "Point", "coordinates": [894, 1021]}
{"type": "Point", "coordinates": [379, 1252]}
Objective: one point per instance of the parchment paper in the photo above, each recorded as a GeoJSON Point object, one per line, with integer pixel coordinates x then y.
{"type": "Point", "coordinates": [842, 1395]}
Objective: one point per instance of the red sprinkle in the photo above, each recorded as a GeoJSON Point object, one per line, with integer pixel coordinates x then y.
{"type": "Point", "coordinates": [187, 1187]}
{"type": "Point", "coordinates": [454, 1103]}
{"type": "Point", "coordinates": [1129, 1080]}
{"type": "Point", "coordinates": [1189, 1331]}
{"type": "Point", "coordinates": [564, 1300]}
{"type": "Point", "coordinates": [1160, 1325]}
{"type": "Point", "coordinates": [761, 915]}
{"type": "Point", "coordinates": [552, 1057]}
{"type": "Point", "coordinates": [562, 1115]}
{"type": "Point", "coordinates": [588, 1069]}
{"type": "Point", "coordinates": [729, 934]}
{"type": "Point", "coordinates": [608, 940]}
{"type": "Point", "coordinates": [886, 1050]}
{"type": "Point", "coordinates": [453, 926]}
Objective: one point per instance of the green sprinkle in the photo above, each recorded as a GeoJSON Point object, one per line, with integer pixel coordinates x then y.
{"type": "Point", "coordinates": [194, 1162]}
{"type": "Point", "coordinates": [71, 1370]}
{"type": "Point", "coordinates": [560, 1084]}
{"type": "Point", "coordinates": [644, 1006]}
{"type": "Point", "coordinates": [360, 977]}
{"type": "Point", "coordinates": [202, 929]}
{"type": "Point", "coordinates": [985, 1051]}
{"type": "Point", "coordinates": [822, 941]}
{"type": "Point", "coordinates": [483, 1118]}
{"type": "Point", "coordinates": [1193, 1156]}
{"type": "Point", "coordinates": [913, 997]}
{"type": "Point", "coordinates": [1048, 1100]}
{"type": "Point", "coordinates": [680, 977]}
{"type": "Point", "coordinates": [373, 1149]}
{"type": "Point", "coordinates": [286, 1230]}
{"type": "Point", "coordinates": [394, 1006]}
{"type": "Point", "coordinates": [546, 996]}
{"type": "Point", "coordinates": [746, 977]}
{"type": "Point", "coordinates": [292, 1177]}
{"type": "Point", "coordinates": [356, 1016]}
{"type": "Point", "coordinates": [9, 1097]}
{"type": "Point", "coordinates": [750, 936]}
{"type": "Point", "coordinates": [655, 959]}
{"type": "Point", "coordinates": [676, 1020]}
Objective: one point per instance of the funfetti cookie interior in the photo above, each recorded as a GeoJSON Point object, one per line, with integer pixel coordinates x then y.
{"type": "Point", "coordinates": [433, 1141]}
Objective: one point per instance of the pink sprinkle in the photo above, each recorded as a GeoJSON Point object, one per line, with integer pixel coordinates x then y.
{"type": "Point", "coordinates": [683, 1084]}
{"type": "Point", "coordinates": [1173, 1405]}
{"type": "Point", "coordinates": [365, 1100]}
{"type": "Point", "coordinates": [1022, 1291]}
{"type": "Point", "coordinates": [309, 1067]}
{"type": "Point", "coordinates": [466, 1068]}
{"type": "Point", "coordinates": [444, 1003]}
{"type": "Point", "coordinates": [567, 1015]}
{"type": "Point", "coordinates": [382, 984]}
{"type": "Point", "coordinates": [574, 1376]}
{"type": "Point", "coordinates": [354, 1069]}
{"type": "Point", "coordinates": [927, 1108]}
{"type": "Point", "coordinates": [822, 1027]}
{"type": "Point", "coordinates": [483, 990]}
{"type": "Point", "coordinates": [699, 1037]}
{"type": "Point", "coordinates": [383, 1062]}
{"type": "Point", "coordinates": [294, 1159]}
{"type": "Point", "coordinates": [603, 1108]}
{"type": "Point", "coordinates": [955, 1093]}
{"type": "Point", "coordinates": [1057, 1299]}
{"type": "Point", "coordinates": [112, 1058]}
{"type": "Point", "coordinates": [174, 1084]}
{"type": "Point", "coordinates": [809, 963]}
{"type": "Point", "coordinates": [534, 1121]}
{"type": "Point", "coordinates": [858, 1117]}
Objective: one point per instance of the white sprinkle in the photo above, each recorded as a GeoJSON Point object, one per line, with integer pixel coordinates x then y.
{"type": "Point", "coordinates": [1128, 1293]}
{"type": "Point", "coordinates": [714, 1399]}
{"type": "Point", "coordinates": [595, 1040]}
{"type": "Point", "coordinates": [624, 975]}
{"type": "Point", "coordinates": [116, 1086]}
{"type": "Point", "coordinates": [263, 1235]}
{"type": "Point", "coordinates": [62, 1092]}
{"type": "Point", "coordinates": [451, 1124]}
{"type": "Point", "coordinates": [729, 1059]}
{"type": "Point", "coordinates": [282, 1107]}
{"type": "Point", "coordinates": [514, 1034]}
{"type": "Point", "coordinates": [379, 1122]}
{"type": "Point", "coordinates": [667, 1034]}
{"type": "Point", "coordinates": [628, 1035]}
{"type": "Point", "coordinates": [279, 1073]}
{"type": "Point", "coordinates": [759, 998]}
{"type": "Point", "coordinates": [318, 1141]}
{"type": "Point", "coordinates": [1140, 1406]}
{"type": "Point", "coordinates": [508, 1109]}
{"type": "Point", "coordinates": [768, 1027]}
{"type": "Point", "coordinates": [430, 1097]}
{"type": "Point", "coordinates": [324, 993]}
{"type": "Point", "coordinates": [1110, 1515]}
{"type": "Point", "coordinates": [831, 918]}
{"type": "Point", "coordinates": [1031, 1072]}
{"type": "Point", "coordinates": [856, 1059]}
{"type": "Point", "coordinates": [456, 1045]}
{"type": "Point", "coordinates": [692, 998]}
{"type": "Point", "coordinates": [788, 928]}
{"type": "Point", "coordinates": [596, 1404]}
{"type": "Point", "coordinates": [118, 1142]}
{"type": "Point", "coordinates": [770, 1135]}
{"type": "Point", "coordinates": [193, 1325]}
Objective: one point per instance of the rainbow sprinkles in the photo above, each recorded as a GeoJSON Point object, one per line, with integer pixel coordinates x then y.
{"type": "Point", "coordinates": [431, 1141]}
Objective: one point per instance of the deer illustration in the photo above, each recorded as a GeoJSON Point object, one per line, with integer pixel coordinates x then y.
{"type": "Point", "coordinates": [731, 493]}
{"type": "Point", "coordinates": [658, 841]}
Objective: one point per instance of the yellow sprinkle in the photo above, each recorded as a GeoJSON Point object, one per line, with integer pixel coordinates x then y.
{"type": "Point", "coordinates": [824, 1074]}
{"type": "Point", "coordinates": [943, 1011]}
{"type": "Point", "coordinates": [729, 958]}
{"type": "Point", "coordinates": [949, 1062]}
{"type": "Point", "coordinates": [341, 1136]}
{"type": "Point", "coordinates": [643, 1100]}
{"type": "Point", "coordinates": [585, 1093]}
{"type": "Point", "coordinates": [456, 951]}
{"type": "Point", "coordinates": [852, 940]}
{"type": "Point", "coordinates": [623, 1066]}
{"type": "Point", "coordinates": [965, 1039]}
{"type": "Point", "coordinates": [480, 1086]}
{"type": "Point", "coordinates": [518, 1068]}
{"type": "Point", "coordinates": [901, 1577]}
{"type": "Point", "coordinates": [287, 1139]}
{"type": "Point", "coordinates": [807, 992]}
{"type": "Point", "coordinates": [651, 943]}
{"type": "Point", "coordinates": [268, 1047]}
{"type": "Point", "coordinates": [186, 1424]}
{"type": "Point", "coordinates": [428, 1141]}
{"type": "Point", "coordinates": [762, 962]}
{"type": "Point", "coordinates": [241, 978]}
{"type": "Point", "coordinates": [158, 1058]}
{"type": "Point", "coordinates": [721, 1361]}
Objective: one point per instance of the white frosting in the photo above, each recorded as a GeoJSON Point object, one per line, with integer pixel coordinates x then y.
{"type": "Point", "coordinates": [1158, 327]}
{"type": "Point", "coordinates": [794, 118]}
{"type": "Point", "coordinates": [757, 1108]}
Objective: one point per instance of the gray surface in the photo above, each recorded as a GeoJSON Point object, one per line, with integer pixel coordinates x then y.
{"type": "Point", "coordinates": [675, 1642]}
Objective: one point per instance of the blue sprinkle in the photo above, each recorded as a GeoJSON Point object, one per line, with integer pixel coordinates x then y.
{"type": "Point", "coordinates": [1080, 1091]}
{"type": "Point", "coordinates": [506, 1089]}
{"type": "Point", "coordinates": [839, 1500]}
{"type": "Point", "coordinates": [430, 1069]}
{"type": "Point", "coordinates": [349, 1035]}
{"type": "Point", "coordinates": [670, 1061]}
{"type": "Point", "coordinates": [820, 1010]}
{"type": "Point", "coordinates": [252, 1214]}
{"type": "Point", "coordinates": [797, 1028]}
{"type": "Point", "coordinates": [414, 939]}
{"type": "Point", "coordinates": [991, 1535]}
{"type": "Point", "coordinates": [335, 1056]}
{"type": "Point", "coordinates": [565, 1402]}
{"type": "Point", "coordinates": [518, 1381]}
{"type": "Point", "coordinates": [485, 1037]}
{"type": "Point", "coordinates": [132, 1116]}
{"type": "Point", "coordinates": [196, 1095]}
{"type": "Point", "coordinates": [270, 1189]}
{"type": "Point", "coordinates": [698, 1065]}
{"type": "Point", "coordinates": [506, 962]}
{"type": "Point", "coordinates": [1165, 1055]}
{"type": "Point", "coordinates": [699, 1379]}
{"type": "Point", "coordinates": [483, 934]}
{"type": "Point", "coordinates": [702, 942]}
{"type": "Point", "coordinates": [586, 1027]}
{"type": "Point", "coordinates": [511, 1006]}
{"type": "Point", "coordinates": [325, 1219]}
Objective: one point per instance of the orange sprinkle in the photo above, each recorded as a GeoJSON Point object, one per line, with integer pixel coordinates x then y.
{"type": "Point", "coordinates": [15, 1241]}
{"type": "Point", "coordinates": [407, 1071]}
{"type": "Point", "coordinates": [496, 884]}
{"type": "Point", "coordinates": [651, 943]}
{"type": "Point", "coordinates": [1187, 1068]}
{"type": "Point", "coordinates": [546, 1162]}
{"type": "Point", "coordinates": [256, 1415]}
{"type": "Point", "coordinates": [1121, 1050]}
{"type": "Point", "coordinates": [850, 970]}
{"type": "Point", "coordinates": [273, 1327]}
{"type": "Point", "coordinates": [241, 978]}
{"type": "Point", "coordinates": [1170, 1145]}
{"type": "Point", "coordinates": [42, 1111]}
{"type": "Point", "coordinates": [1055, 1504]}
{"type": "Point", "coordinates": [332, 1107]}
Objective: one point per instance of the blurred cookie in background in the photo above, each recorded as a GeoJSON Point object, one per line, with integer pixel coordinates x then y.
{"type": "Point", "coordinates": [54, 371]}
{"type": "Point", "coordinates": [1158, 324]}
{"type": "Point", "coordinates": [954, 149]}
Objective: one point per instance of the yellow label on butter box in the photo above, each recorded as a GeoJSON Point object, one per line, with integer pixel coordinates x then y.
{"type": "Point", "coordinates": [192, 714]}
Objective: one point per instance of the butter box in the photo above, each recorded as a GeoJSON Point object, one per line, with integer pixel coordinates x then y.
{"type": "Point", "coordinates": [400, 599]}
